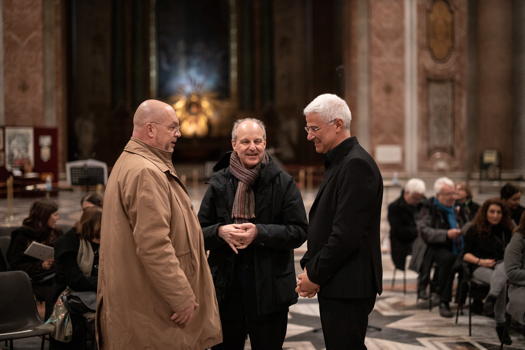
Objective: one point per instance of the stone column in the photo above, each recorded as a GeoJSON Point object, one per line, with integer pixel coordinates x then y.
{"type": "Point", "coordinates": [495, 78]}
{"type": "Point", "coordinates": [518, 65]}
{"type": "Point", "coordinates": [2, 106]}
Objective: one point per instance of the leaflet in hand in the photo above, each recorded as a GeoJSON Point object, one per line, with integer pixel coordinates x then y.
{"type": "Point", "coordinates": [40, 251]}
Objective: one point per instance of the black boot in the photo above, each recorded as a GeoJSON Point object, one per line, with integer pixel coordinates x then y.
{"type": "Point", "coordinates": [444, 310]}
{"type": "Point", "coordinates": [503, 333]}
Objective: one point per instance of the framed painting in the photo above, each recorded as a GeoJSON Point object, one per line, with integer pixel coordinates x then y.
{"type": "Point", "coordinates": [19, 150]}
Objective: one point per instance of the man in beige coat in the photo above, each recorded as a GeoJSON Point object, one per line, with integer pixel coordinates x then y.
{"type": "Point", "coordinates": [155, 289]}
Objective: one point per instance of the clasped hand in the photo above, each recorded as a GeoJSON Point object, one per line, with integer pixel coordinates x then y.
{"type": "Point", "coordinates": [305, 287]}
{"type": "Point", "coordinates": [238, 236]}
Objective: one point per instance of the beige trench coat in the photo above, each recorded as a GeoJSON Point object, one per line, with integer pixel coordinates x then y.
{"type": "Point", "coordinates": [152, 259]}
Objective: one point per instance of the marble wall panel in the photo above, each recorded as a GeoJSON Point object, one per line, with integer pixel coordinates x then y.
{"type": "Point", "coordinates": [451, 68]}
{"type": "Point", "coordinates": [23, 62]}
{"type": "Point", "coordinates": [387, 72]}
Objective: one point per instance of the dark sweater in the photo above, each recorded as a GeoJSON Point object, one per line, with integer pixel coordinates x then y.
{"type": "Point", "coordinates": [487, 246]}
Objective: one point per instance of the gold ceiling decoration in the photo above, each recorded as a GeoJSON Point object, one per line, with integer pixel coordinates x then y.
{"type": "Point", "coordinates": [194, 111]}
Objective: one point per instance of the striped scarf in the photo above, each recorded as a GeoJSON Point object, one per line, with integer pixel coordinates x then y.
{"type": "Point", "coordinates": [244, 203]}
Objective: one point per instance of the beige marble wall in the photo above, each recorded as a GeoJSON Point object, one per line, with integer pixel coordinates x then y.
{"type": "Point", "coordinates": [448, 71]}
{"type": "Point", "coordinates": [387, 72]}
{"type": "Point", "coordinates": [23, 62]}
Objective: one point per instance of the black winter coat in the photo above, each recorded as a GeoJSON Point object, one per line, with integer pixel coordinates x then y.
{"type": "Point", "coordinates": [68, 273]}
{"type": "Point", "coordinates": [21, 238]}
{"type": "Point", "coordinates": [344, 249]}
{"type": "Point", "coordinates": [403, 229]}
{"type": "Point", "coordinates": [281, 223]}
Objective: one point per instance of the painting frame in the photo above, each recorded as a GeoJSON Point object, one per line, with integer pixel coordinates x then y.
{"type": "Point", "coordinates": [19, 147]}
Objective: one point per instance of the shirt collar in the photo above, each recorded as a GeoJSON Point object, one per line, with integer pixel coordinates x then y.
{"type": "Point", "coordinates": [338, 152]}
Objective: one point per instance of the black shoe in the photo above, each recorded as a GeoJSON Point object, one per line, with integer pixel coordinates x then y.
{"type": "Point", "coordinates": [503, 333]}
{"type": "Point", "coordinates": [444, 310]}
{"type": "Point", "coordinates": [488, 305]}
{"type": "Point", "coordinates": [422, 294]}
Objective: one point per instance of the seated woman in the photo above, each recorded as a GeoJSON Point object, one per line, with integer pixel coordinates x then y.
{"type": "Point", "coordinates": [76, 260]}
{"type": "Point", "coordinates": [515, 266]}
{"type": "Point", "coordinates": [485, 243]}
{"type": "Point", "coordinates": [39, 226]}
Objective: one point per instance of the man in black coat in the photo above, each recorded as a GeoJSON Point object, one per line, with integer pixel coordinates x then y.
{"type": "Point", "coordinates": [343, 260]}
{"type": "Point", "coordinates": [402, 219]}
{"type": "Point", "coordinates": [252, 217]}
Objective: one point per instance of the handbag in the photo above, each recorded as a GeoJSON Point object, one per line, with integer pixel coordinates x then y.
{"type": "Point", "coordinates": [61, 319]}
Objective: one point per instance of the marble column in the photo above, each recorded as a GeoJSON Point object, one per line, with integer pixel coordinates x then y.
{"type": "Point", "coordinates": [518, 65]}
{"type": "Point", "coordinates": [494, 35]}
{"type": "Point", "coordinates": [411, 101]}
{"type": "Point", "coordinates": [2, 106]}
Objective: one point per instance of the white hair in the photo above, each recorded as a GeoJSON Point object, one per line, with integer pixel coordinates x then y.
{"type": "Point", "coordinates": [238, 122]}
{"type": "Point", "coordinates": [415, 186]}
{"type": "Point", "coordinates": [441, 182]}
{"type": "Point", "coordinates": [330, 107]}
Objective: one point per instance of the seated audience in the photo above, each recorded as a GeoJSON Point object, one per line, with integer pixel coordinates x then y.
{"type": "Point", "coordinates": [39, 226]}
{"type": "Point", "coordinates": [76, 261]}
{"type": "Point", "coordinates": [439, 227]}
{"type": "Point", "coordinates": [91, 199]}
{"type": "Point", "coordinates": [485, 243]}
{"type": "Point", "coordinates": [511, 195]}
{"type": "Point", "coordinates": [464, 203]}
{"type": "Point", "coordinates": [401, 217]}
{"type": "Point", "coordinates": [515, 267]}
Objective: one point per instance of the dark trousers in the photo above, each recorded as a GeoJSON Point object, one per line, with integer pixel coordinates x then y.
{"type": "Point", "coordinates": [445, 261]}
{"type": "Point", "coordinates": [266, 334]}
{"type": "Point", "coordinates": [423, 277]}
{"type": "Point", "coordinates": [345, 321]}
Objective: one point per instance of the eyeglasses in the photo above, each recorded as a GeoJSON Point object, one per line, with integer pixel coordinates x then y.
{"type": "Point", "coordinates": [315, 129]}
{"type": "Point", "coordinates": [171, 128]}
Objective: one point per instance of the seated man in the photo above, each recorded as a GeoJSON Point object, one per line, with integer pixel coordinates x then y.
{"type": "Point", "coordinates": [401, 217]}
{"type": "Point", "coordinates": [511, 195]}
{"type": "Point", "coordinates": [439, 227]}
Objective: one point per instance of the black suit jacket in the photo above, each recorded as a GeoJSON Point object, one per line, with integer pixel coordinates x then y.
{"type": "Point", "coordinates": [344, 254]}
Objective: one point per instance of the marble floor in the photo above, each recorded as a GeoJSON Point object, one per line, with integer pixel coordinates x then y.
{"type": "Point", "coordinates": [397, 321]}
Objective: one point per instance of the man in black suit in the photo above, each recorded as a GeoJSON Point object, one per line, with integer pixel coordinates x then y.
{"type": "Point", "coordinates": [343, 260]}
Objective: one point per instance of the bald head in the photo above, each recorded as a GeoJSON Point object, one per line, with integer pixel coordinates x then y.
{"type": "Point", "coordinates": [156, 124]}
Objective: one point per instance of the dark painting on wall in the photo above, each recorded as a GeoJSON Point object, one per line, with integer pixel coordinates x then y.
{"type": "Point", "coordinates": [193, 47]}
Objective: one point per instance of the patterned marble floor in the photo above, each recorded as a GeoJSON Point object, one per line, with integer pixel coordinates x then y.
{"type": "Point", "coordinates": [403, 324]}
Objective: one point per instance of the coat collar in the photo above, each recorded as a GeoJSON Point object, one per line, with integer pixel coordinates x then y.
{"type": "Point", "coordinates": [161, 159]}
{"type": "Point", "coordinates": [340, 151]}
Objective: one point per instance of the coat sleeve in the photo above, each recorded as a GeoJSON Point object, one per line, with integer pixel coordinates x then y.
{"type": "Point", "coordinates": [292, 232]}
{"type": "Point", "coordinates": [150, 215]}
{"type": "Point", "coordinates": [210, 220]}
{"type": "Point", "coordinates": [514, 258]}
{"type": "Point", "coordinates": [401, 223]}
{"type": "Point", "coordinates": [357, 193]}
{"type": "Point", "coordinates": [429, 234]}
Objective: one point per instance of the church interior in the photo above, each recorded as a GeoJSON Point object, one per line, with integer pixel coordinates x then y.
{"type": "Point", "coordinates": [436, 88]}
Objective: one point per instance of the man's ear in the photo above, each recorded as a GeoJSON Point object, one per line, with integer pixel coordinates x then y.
{"type": "Point", "coordinates": [233, 144]}
{"type": "Point", "coordinates": [339, 123]}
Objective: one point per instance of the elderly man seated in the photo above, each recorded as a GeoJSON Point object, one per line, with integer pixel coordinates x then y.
{"type": "Point", "coordinates": [402, 219]}
{"type": "Point", "coordinates": [439, 227]}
